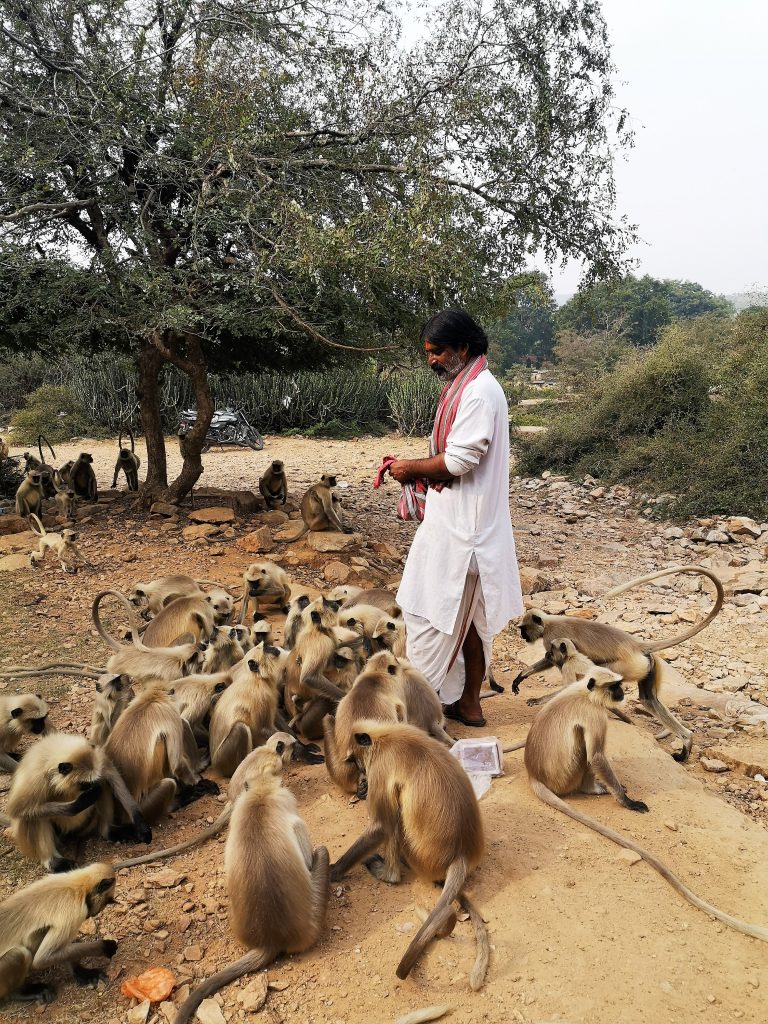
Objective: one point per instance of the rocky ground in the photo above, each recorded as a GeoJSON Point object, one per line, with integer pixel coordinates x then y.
{"type": "Point", "coordinates": [581, 932]}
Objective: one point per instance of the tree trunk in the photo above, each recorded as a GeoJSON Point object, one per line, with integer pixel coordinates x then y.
{"type": "Point", "coordinates": [192, 467]}
{"type": "Point", "coordinates": [150, 362]}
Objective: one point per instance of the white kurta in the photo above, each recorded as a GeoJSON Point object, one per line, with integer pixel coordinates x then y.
{"type": "Point", "coordinates": [471, 517]}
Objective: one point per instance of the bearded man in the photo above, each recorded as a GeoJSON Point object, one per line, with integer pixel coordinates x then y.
{"type": "Point", "coordinates": [461, 584]}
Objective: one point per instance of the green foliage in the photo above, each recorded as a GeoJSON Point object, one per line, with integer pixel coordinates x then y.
{"type": "Point", "coordinates": [55, 412]}
{"type": "Point", "coordinates": [413, 400]}
{"type": "Point", "coordinates": [687, 417]}
{"type": "Point", "coordinates": [638, 308]}
{"type": "Point", "coordinates": [584, 359]}
{"type": "Point", "coordinates": [529, 326]}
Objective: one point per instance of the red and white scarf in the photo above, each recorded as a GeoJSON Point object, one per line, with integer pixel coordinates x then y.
{"type": "Point", "coordinates": [414, 494]}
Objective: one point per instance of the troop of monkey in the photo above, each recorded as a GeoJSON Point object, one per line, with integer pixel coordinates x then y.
{"type": "Point", "coordinates": [187, 688]}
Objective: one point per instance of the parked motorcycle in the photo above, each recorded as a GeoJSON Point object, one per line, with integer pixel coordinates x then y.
{"type": "Point", "coordinates": [228, 426]}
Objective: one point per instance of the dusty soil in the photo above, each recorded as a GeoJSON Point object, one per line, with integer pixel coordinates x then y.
{"type": "Point", "coordinates": [579, 933]}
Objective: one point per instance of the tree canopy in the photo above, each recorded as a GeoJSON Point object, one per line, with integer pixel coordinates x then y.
{"type": "Point", "coordinates": [291, 174]}
{"type": "Point", "coordinates": [528, 329]}
{"type": "Point", "coordinates": [637, 308]}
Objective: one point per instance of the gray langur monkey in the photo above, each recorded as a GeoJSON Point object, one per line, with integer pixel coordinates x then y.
{"type": "Point", "coordinates": [274, 485]}
{"type": "Point", "coordinates": [635, 660]}
{"type": "Point", "coordinates": [294, 621]}
{"type": "Point", "coordinates": [244, 715]}
{"type": "Point", "coordinates": [281, 743]}
{"type": "Point", "coordinates": [113, 695]}
{"type": "Point", "coordinates": [64, 787]}
{"type": "Point", "coordinates": [222, 651]}
{"type": "Point", "coordinates": [264, 581]}
{"type": "Point", "coordinates": [29, 496]}
{"type": "Point", "coordinates": [21, 714]}
{"type": "Point", "coordinates": [565, 753]}
{"type": "Point", "coordinates": [47, 473]}
{"type": "Point", "coordinates": [376, 598]}
{"type": "Point", "coordinates": [319, 510]}
{"type": "Point", "coordinates": [421, 805]}
{"type": "Point", "coordinates": [66, 499]}
{"type": "Point", "coordinates": [186, 616]}
{"type": "Point", "coordinates": [128, 462]}
{"type": "Point", "coordinates": [573, 665]}
{"type": "Point", "coordinates": [152, 597]}
{"type": "Point", "coordinates": [39, 927]}
{"type": "Point", "coordinates": [82, 478]}
{"type": "Point", "coordinates": [61, 544]}
{"type": "Point", "coordinates": [277, 884]}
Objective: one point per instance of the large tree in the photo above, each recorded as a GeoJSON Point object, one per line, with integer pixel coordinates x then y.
{"type": "Point", "coordinates": [637, 307]}
{"type": "Point", "coordinates": [292, 172]}
{"type": "Point", "coordinates": [528, 329]}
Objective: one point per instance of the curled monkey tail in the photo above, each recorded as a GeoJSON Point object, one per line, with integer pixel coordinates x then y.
{"type": "Point", "coordinates": [545, 794]}
{"type": "Point", "coordinates": [33, 519]}
{"type": "Point", "coordinates": [110, 640]}
{"type": "Point", "coordinates": [40, 439]}
{"type": "Point", "coordinates": [455, 878]}
{"type": "Point", "coordinates": [695, 570]}
{"type": "Point", "coordinates": [253, 961]}
{"type": "Point", "coordinates": [172, 851]}
{"type": "Point", "coordinates": [483, 955]}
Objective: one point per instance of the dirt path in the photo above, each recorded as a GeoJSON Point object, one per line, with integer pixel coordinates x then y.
{"type": "Point", "coordinates": [580, 935]}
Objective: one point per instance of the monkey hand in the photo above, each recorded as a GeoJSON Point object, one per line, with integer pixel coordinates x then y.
{"type": "Point", "coordinates": [109, 947]}
{"type": "Point", "coordinates": [516, 683]}
{"type": "Point", "coordinates": [336, 875]}
{"type": "Point", "coordinates": [86, 799]}
{"type": "Point", "coordinates": [141, 828]}
{"type": "Point", "coordinates": [88, 976]}
{"type": "Point", "coordinates": [636, 805]}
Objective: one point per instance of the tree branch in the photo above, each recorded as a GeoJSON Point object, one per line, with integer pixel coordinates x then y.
{"type": "Point", "coordinates": [53, 208]}
{"type": "Point", "coordinates": [308, 329]}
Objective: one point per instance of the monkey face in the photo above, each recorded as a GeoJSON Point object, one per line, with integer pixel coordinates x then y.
{"type": "Point", "coordinates": [328, 479]}
{"type": "Point", "coordinates": [35, 479]}
{"type": "Point", "coordinates": [30, 714]}
{"type": "Point", "coordinates": [277, 467]}
{"type": "Point", "coordinates": [85, 457]}
{"type": "Point", "coordinates": [532, 626]}
{"type": "Point", "coordinates": [102, 893]}
{"type": "Point", "coordinates": [38, 726]}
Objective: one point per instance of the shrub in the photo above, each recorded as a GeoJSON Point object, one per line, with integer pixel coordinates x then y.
{"type": "Point", "coordinates": [10, 477]}
{"type": "Point", "coordinates": [413, 400]}
{"type": "Point", "coordinates": [56, 412]}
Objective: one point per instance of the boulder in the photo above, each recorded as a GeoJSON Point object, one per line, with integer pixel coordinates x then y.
{"type": "Point", "coordinates": [531, 580]}
{"type": "Point", "coordinates": [743, 526]}
{"type": "Point", "coordinates": [257, 542]}
{"type": "Point", "coordinates": [291, 531]}
{"type": "Point", "coordinates": [337, 572]}
{"type": "Point", "coordinates": [163, 508]}
{"type": "Point", "coordinates": [216, 515]}
{"type": "Point", "coordinates": [330, 540]}
{"type": "Point", "coordinates": [12, 524]}
{"type": "Point", "coordinates": [275, 517]}
{"type": "Point", "coordinates": [717, 537]}
{"type": "Point", "coordinates": [199, 532]}
{"type": "Point", "coordinates": [242, 502]}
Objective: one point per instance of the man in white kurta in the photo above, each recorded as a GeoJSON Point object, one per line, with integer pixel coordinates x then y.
{"type": "Point", "coordinates": [461, 584]}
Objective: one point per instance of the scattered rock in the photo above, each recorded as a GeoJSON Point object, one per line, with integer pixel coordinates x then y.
{"type": "Point", "coordinates": [712, 764]}
{"type": "Point", "coordinates": [163, 508]}
{"type": "Point", "coordinates": [629, 857]}
{"type": "Point", "coordinates": [671, 825]}
{"type": "Point", "coordinates": [672, 533]}
{"type": "Point", "coordinates": [217, 515]}
{"type": "Point", "coordinates": [193, 954]}
{"type": "Point", "coordinates": [278, 986]}
{"type": "Point", "coordinates": [253, 996]}
{"type": "Point", "coordinates": [743, 526]}
{"type": "Point", "coordinates": [199, 532]}
{"type": "Point", "coordinates": [531, 580]}
{"type": "Point", "coordinates": [386, 549]}
{"type": "Point", "coordinates": [291, 531]}
{"type": "Point", "coordinates": [167, 878]}
{"type": "Point", "coordinates": [717, 537]}
{"type": "Point", "coordinates": [275, 518]}
{"type": "Point", "coordinates": [547, 560]}
{"type": "Point", "coordinates": [209, 1012]}
{"type": "Point", "coordinates": [330, 540]}
{"type": "Point", "coordinates": [599, 492]}
{"type": "Point", "coordinates": [12, 563]}
{"type": "Point", "coordinates": [337, 572]}
{"type": "Point", "coordinates": [138, 1014]}
{"type": "Point", "coordinates": [13, 524]}
{"type": "Point", "coordinates": [258, 541]}
{"type": "Point", "coordinates": [168, 1011]}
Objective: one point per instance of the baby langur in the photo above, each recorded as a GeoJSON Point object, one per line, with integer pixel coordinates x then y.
{"type": "Point", "coordinates": [82, 478]}
{"type": "Point", "coordinates": [277, 884]}
{"type": "Point", "coordinates": [39, 926]}
{"type": "Point", "coordinates": [64, 787]}
{"type": "Point", "coordinates": [274, 485]}
{"type": "Point", "coordinates": [264, 581]}
{"type": "Point", "coordinates": [66, 499]}
{"type": "Point", "coordinates": [318, 508]}
{"type": "Point", "coordinates": [420, 805]}
{"type": "Point", "coordinates": [128, 462]}
{"type": "Point", "coordinates": [21, 714]}
{"type": "Point", "coordinates": [113, 695]}
{"type": "Point", "coordinates": [29, 496]}
{"type": "Point", "coordinates": [223, 650]}
{"type": "Point", "coordinates": [635, 660]}
{"type": "Point", "coordinates": [261, 631]}
{"type": "Point", "coordinates": [565, 753]}
{"type": "Point", "coordinates": [573, 665]}
{"type": "Point", "coordinates": [61, 544]}
{"type": "Point", "coordinates": [309, 712]}
{"type": "Point", "coordinates": [313, 650]}
{"type": "Point", "coordinates": [281, 743]}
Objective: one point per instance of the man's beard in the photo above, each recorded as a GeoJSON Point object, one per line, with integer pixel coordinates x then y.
{"type": "Point", "coordinates": [451, 369]}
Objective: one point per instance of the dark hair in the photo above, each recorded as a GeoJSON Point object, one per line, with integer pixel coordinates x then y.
{"type": "Point", "coordinates": [453, 328]}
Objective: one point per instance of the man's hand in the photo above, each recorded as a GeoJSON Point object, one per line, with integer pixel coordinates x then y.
{"type": "Point", "coordinates": [401, 471]}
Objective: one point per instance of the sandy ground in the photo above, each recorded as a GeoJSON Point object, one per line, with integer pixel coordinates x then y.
{"type": "Point", "coordinates": [580, 935]}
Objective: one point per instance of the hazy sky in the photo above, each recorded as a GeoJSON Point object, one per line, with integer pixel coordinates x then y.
{"type": "Point", "coordinates": [693, 74]}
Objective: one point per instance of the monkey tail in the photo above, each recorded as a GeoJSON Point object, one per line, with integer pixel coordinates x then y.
{"type": "Point", "coordinates": [33, 519]}
{"type": "Point", "coordinates": [422, 1016]}
{"type": "Point", "coordinates": [545, 794]}
{"type": "Point", "coordinates": [253, 961]}
{"type": "Point", "coordinates": [40, 439]}
{"type": "Point", "coordinates": [697, 570]}
{"type": "Point", "coordinates": [110, 640]}
{"type": "Point", "coordinates": [455, 878]}
{"type": "Point", "coordinates": [483, 956]}
{"type": "Point", "coordinates": [172, 851]}
{"type": "Point", "coordinates": [515, 746]}
{"type": "Point", "coordinates": [130, 434]}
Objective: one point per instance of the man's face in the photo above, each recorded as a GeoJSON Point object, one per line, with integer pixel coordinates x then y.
{"type": "Point", "coordinates": [446, 362]}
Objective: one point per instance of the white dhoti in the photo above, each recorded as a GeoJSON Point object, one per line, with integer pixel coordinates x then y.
{"type": "Point", "coordinates": [439, 655]}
